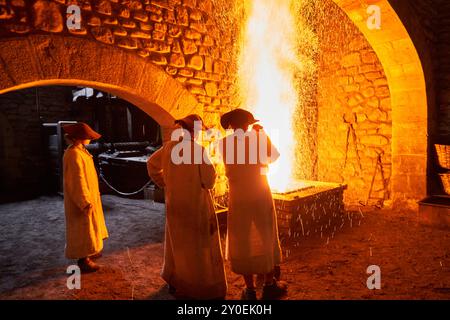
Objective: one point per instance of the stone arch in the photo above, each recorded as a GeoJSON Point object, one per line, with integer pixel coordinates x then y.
{"type": "Point", "coordinates": [402, 65]}
{"type": "Point", "coordinates": [39, 60]}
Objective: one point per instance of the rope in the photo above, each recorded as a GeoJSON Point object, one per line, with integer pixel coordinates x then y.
{"type": "Point", "coordinates": [123, 193]}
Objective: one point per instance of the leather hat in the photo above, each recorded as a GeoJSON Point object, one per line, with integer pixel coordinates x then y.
{"type": "Point", "coordinates": [189, 122]}
{"type": "Point", "coordinates": [81, 131]}
{"type": "Point", "coordinates": [237, 117]}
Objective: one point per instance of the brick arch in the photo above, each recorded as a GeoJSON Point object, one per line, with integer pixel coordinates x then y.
{"type": "Point", "coordinates": [403, 68]}
{"type": "Point", "coordinates": [39, 60]}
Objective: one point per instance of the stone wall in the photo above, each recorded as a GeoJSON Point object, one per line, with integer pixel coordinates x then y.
{"type": "Point", "coordinates": [428, 23]}
{"type": "Point", "coordinates": [443, 69]}
{"type": "Point", "coordinates": [355, 121]}
{"type": "Point", "coordinates": [181, 36]}
{"type": "Point", "coordinates": [23, 161]}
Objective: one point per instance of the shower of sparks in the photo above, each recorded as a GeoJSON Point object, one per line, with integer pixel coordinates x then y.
{"type": "Point", "coordinates": [269, 67]}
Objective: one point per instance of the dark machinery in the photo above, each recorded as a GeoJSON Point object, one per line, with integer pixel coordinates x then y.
{"type": "Point", "coordinates": [123, 167]}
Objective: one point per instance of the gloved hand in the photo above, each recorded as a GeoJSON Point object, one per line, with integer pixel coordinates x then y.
{"type": "Point", "coordinates": [257, 127]}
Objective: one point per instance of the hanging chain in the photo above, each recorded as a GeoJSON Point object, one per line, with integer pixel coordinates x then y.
{"type": "Point", "coordinates": [120, 192]}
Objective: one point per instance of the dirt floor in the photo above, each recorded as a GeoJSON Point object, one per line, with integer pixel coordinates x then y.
{"type": "Point", "coordinates": [414, 259]}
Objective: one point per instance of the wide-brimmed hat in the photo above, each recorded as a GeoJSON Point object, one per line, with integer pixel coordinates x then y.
{"type": "Point", "coordinates": [189, 122]}
{"type": "Point", "coordinates": [81, 131]}
{"type": "Point", "coordinates": [237, 117]}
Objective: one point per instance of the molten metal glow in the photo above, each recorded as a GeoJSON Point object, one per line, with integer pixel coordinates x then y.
{"type": "Point", "coordinates": [267, 83]}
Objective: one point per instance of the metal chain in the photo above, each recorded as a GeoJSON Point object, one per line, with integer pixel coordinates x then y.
{"type": "Point", "coordinates": [123, 193]}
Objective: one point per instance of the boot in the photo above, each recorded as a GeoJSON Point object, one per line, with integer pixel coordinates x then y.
{"type": "Point", "coordinates": [275, 290]}
{"type": "Point", "coordinates": [260, 277]}
{"type": "Point", "coordinates": [248, 294]}
{"type": "Point", "coordinates": [87, 265]}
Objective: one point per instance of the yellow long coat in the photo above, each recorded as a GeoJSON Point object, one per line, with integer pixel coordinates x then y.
{"type": "Point", "coordinates": [193, 261]}
{"type": "Point", "coordinates": [252, 240]}
{"type": "Point", "coordinates": [85, 229]}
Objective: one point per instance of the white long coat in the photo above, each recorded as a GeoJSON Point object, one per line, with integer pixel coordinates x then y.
{"type": "Point", "coordinates": [193, 261]}
{"type": "Point", "coordinates": [253, 242]}
{"type": "Point", "coordinates": [85, 228]}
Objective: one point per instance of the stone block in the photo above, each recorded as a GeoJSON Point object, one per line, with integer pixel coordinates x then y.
{"type": "Point", "coordinates": [382, 92]}
{"type": "Point", "coordinates": [188, 46]}
{"type": "Point", "coordinates": [104, 7]}
{"type": "Point", "coordinates": [140, 35]}
{"type": "Point", "coordinates": [172, 71]}
{"type": "Point", "coordinates": [385, 104]}
{"type": "Point", "coordinates": [368, 68]}
{"type": "Point", "coordinates": [351, 87]}
{"type": "Point", "coordinates": [194, 81]}
{"type": "Point", "coordinates": [208, 64]}
{"type": "Point", "coordinates": [159, 59]}
{"type": "Point", "coordinates": [206, 6]}
{"type": "Point", "coordinates": [177, 60]}
{"type": "Point", "coordinates": [211, 89]}
{"type": "Point", "coordinates": [374, 140]}
{"type": "Point", "coordinates": [190, 3]}
{"type": "Point", "coordinates": [127, 43]}
{"type": "Point", "coordinates": [198, 26]}
{"type": "Point", "coordinates": [373, 103]}
{"type": "Point", "coordinates": [219, 68]}
{"type": "Point", "coordinates": [368, 92]}
{"type": "Point", "coordinates": [94, 21]}
{"type": "Point", "coordinates": [156, 17]}
{"type": "Point", "coordinates": [129, 24]}
{"type": "Point", "coordinates": [208, 41]}
{"type": "Point", "coordinates": [140, 16]}
{"type": "Point", "coordinates": [182, 16]}
{"type": "Point", "coordinates": [196, 62]}
{"type": "Point", "coordinates": [176, 48]}
{"type": "Point", "coordinates": [380, 82]}
{"type": "Point", "coordinates": [124, 12]}
{"type": "Point", "coordinates": [376, 116]}
{"type": "Point", "coordinates": [163, 4]}
{"type": "Point", "coordinates": [361, 117]}
{"type": "Point", "coordinates": [120, 32]}
{"type": "Point", "coordinates": [135, 5]}
{"type": "Point", "coordinates": [158, 35]}
{"type": "Point", "coordinates": [196, 15]}
{"type": "Point", "coordinates": [373, 75]}
{"type": "Point", "coordinates": [174, 31]}
{"type": "Point", "coordinates": [192, 34]}
{"type": "Point", "coordinates": [103, 34]}
{"type": "Point", "coordinates": [197, 90]}
{"type": "Point", "coordinates": [186, 73]}
{"type": "Point", "coordinates": [369, 58]}
{"type": "Point", "coordinates": [110, 21]}
{"type": "Point", "coordinates": [47, 16]}
{"type": "Point", "coordinates": [353, 59]}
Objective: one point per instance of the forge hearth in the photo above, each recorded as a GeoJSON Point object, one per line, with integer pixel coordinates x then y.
{"type": "Point", "coordinates": [315, 209]}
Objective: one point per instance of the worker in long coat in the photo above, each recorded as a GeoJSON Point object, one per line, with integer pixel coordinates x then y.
{"type": "Point", "coordinates": [193, 264]}
{"type": "Point", "coordinates": [85, 223]}
{"type": "Point", "coordinates": [253, 242]}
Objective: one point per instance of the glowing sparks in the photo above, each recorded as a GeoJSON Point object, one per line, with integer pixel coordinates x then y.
{"type": "Point", "coordinates": [267, 72]}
